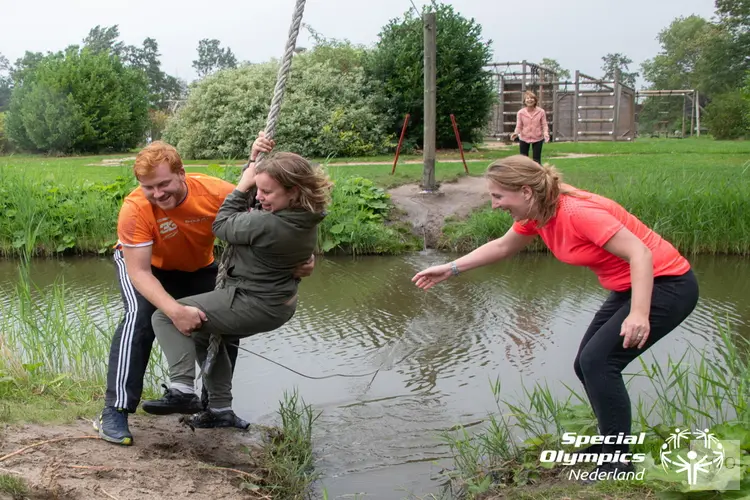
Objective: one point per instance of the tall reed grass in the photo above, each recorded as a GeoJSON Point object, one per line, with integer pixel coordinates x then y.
{"type": "Point", "coordinates": [288, 459]}
{"type": "Point", "coordinates": [697, 391]}
{"type": "Point", "coordinates": [53, 341]}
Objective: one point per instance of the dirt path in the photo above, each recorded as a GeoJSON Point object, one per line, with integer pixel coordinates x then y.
{"type": "Point", "coordinates": [166, 461]}
{"type": "Point", "coordinates": [427, 212]}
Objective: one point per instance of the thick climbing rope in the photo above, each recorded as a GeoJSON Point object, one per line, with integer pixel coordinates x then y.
{"type": "Point", "coordinates": [215, 343]}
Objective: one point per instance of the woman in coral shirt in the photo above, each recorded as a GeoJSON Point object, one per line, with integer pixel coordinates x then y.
{"type": "Point", "coordinates": [531, 127]}
{"type": "Point", "coordinates": [652, 287]}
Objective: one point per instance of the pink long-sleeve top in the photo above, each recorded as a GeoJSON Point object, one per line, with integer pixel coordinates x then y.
{"type": "Point", "coordinates": [531, 126]}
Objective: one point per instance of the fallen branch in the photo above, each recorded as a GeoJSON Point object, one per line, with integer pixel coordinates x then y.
{"type": "Point", "coordinates": [18, 452]}
{"type": "Point", "coordinates": [102, 468]}
{"type": "Point", "coordinates": [242, 472]}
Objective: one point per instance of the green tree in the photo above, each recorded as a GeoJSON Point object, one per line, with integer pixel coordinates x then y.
{"type": "Point", "coordinates": [25, 65]}
{"type": "Point", "coordinates": [726, 116]}
{"type": "Point", "coordinates": [682, 48]}
{"type": "Point", "coordinates": [562, 74]}
{"type": "Point", "coordinates": [162, 87]}
{"type": "Point", "coordinates": [464, 86]}
{"type": "Point", "coordinates": [78, 101]}
{"type": "Point", "coordinates": [6, 83]}
{"type": "Point", "coordinates": [104, 40]}
{"type": "Point", "coordinates": [735, 16]}
{"type": "Point", "coordinates": [326, 111]}
{"type": "Point", "coordinates": [705, 56]}
{"type": "Point", "coordinates": [212, 57]}
{"type": "Point", "coordinates": [621, 62]}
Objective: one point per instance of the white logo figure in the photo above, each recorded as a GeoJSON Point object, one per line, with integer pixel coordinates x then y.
{"type": "Point", "coordinates": [712, 453]}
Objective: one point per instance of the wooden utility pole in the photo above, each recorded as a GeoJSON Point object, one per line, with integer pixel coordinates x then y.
{"type": "Point", "coordinates": [430, 100]}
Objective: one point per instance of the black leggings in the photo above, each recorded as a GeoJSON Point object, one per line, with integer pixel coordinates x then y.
{"type": "Point", "coordinates": [601, 356]}
{"type": "Point", "coordinates": [536, 149]}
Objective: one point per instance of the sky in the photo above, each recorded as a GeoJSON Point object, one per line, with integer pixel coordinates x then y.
{"type": "Point", "coordinates": [577, 33]}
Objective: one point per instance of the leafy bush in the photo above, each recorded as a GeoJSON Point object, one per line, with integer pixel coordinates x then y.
{"type": "Point", "coordinates": [58, 218]}
{"type": "Point", "coordinates": [464, 87]}
{"type": "Point", "coordinates": [727, 116]}
{"type": "Point", "coordinates": [328, 110]}
{"type": "Point", "coordinates": [79, 102]}
{"type": "Point", "coordinates": [356, 221]}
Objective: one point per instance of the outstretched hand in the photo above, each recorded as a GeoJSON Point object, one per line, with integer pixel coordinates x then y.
{"type": "Point", "coordinates": [432, 276]}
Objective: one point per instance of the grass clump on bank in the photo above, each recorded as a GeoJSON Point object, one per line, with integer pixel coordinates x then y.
{"type": "Point", "coordinates": [14, 486]}
{"type": "Point", "coordinates": [288, 460]}
{"type": "Point", "coordinates": [698, 391]}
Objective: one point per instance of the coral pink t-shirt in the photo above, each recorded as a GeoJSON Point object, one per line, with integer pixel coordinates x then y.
{"type": "Point", "coordinates": [581, 227]}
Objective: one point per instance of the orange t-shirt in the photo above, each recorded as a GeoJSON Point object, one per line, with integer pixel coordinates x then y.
{"type": "Point", "coordinates": [582, 226]}
{"type": "Point", "coordinates": [181, 238]}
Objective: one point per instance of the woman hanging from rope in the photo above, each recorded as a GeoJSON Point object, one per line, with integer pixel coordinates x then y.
{"type": "Point", "coordinates": [260, 294]}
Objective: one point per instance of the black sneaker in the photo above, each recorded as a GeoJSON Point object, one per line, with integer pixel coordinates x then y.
{"type": "Point", "coordinates": [112, 426]}
{"type": "Point", "coordinates": [209, 419]}
{"type": "Point", "coordinates": [173, 401]}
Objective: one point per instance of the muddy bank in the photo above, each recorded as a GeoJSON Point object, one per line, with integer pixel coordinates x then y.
{"type": "Point", "coordinates": [426, 212]}
{"type": "Point", "coordinates": [166, 461]}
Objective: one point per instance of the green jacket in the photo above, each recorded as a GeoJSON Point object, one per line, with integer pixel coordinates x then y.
{"type": "Point", "coordinates": [268, 246]}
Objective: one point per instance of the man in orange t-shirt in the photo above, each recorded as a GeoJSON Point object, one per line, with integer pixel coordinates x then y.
{"type": "Point", "coordinates": [165, 252]}
{"type": "Point", "coordinates": [652, 287]}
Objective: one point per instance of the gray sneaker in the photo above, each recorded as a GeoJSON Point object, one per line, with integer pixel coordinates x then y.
{"type": "Point", "coordinates": [112, 426]}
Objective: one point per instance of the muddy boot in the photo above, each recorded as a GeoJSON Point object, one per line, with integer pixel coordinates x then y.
{"type": "Point", "coordinates": [210, 419]}
{"type": "Point", "coordinates": [173, 401]}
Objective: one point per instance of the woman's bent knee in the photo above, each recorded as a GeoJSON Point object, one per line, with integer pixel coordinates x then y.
{"type": "Point", "coordinates": [159, 318]}
{"type": "Point", "coordinates": [590, 363]}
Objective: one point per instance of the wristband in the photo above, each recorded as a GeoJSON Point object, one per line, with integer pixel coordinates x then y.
{"type": "Point", "coordinates": [454, 269]}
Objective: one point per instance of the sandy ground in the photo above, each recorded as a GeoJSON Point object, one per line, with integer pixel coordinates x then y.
{"type": "Point", "coordinates": [427, 212]}
{"type": "Point", "coordinates": [166, 461]}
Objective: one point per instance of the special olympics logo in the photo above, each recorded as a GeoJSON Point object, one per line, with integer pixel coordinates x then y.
{"type": "Point", "coordinates": [707, 456]}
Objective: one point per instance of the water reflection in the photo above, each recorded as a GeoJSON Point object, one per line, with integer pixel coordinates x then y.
{"type": "Point", "coordinates": [436, 351]}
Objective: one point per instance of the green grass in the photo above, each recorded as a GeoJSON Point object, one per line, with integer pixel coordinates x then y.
{"type": "Point", "coordinates": [288, 458]}
{"type": "Point", "coordinates": [14, 486]}
{"type": "Point", "coordinates": [698, 202]}
{"type": "Point", "coordinates": [705, 391]}
{"type": "Point", "coordinates": [694, 192]}
{"type": "Point", "coordinates": [53, 353]}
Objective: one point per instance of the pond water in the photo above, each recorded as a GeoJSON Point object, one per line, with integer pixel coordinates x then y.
{"type": "Point", "coordinates": [520, 321]}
